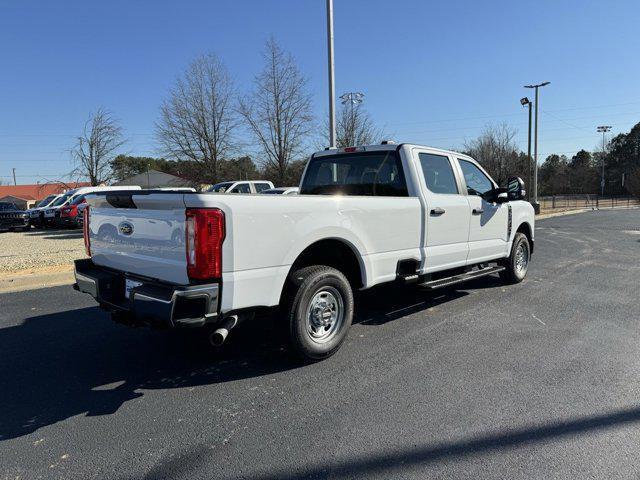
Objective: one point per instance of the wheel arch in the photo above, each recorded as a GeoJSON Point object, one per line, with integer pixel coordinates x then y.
{"type": "Point", "coordinates": [527, 231]}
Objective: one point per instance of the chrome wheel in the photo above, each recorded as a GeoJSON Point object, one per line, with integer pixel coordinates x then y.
{"type": "Point", "coordinates": [522, 259]}
{"type": "Point", "coordinates": [325, 315]}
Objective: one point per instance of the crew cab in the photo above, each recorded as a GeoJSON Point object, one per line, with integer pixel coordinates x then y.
{"type": "Point", "coordinates": [364, 216]}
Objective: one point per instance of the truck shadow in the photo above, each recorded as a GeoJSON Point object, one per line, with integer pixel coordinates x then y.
{"type": "Point", "coordinates": [79, 362]}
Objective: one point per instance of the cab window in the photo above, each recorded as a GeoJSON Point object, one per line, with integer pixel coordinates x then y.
{"type": "Point", "coordinates": [477, 182]}
{"type": "Point", "coordinates": [438, 173]}
{"type": "Point", "coordinates": [261, 187]}
{"type": "Point", "coordinates": [241, 188]}
{"type": "Point", "coordinates": [376, 173]}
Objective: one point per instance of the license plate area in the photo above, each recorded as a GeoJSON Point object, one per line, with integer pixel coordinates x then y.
{"type": "Point", "coordinates": [130, 285]}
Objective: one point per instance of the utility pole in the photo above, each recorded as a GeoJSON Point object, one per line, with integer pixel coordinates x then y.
{"type": "Point", "coordinates": [14, 177]}
{"type": "Point", "coordinates": [332, 89]}
{"type": "Point", "coordinates": [604, 129]}
{"type": "Point", "coordinates": [524, 102]}
{"type": "Point", "coordinates": [535, 203]}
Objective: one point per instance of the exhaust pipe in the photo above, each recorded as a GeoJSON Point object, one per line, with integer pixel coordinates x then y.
{"type": "Point", "coordinates": [218, 337]}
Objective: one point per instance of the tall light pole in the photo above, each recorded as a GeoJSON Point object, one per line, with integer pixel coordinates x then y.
{"type": "Point", "coordinates": [332, 89]}
{"type": "Point", "coordinates": [604, 129]}
{"type": "Point", "coordinates": [524, 102]}
{"type": "Point", "coordinates": [535, 203]}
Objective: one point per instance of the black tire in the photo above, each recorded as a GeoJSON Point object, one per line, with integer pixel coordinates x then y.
{"type": "Point", "coordinates": [515, 271]}
{"type": "Point", "coordinates": [316, 295]}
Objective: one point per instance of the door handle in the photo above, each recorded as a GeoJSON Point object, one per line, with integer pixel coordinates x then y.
{"type": "Point", "coordinates": [478, 211]}
{"type": "Point", "coordinates": [437, 211]}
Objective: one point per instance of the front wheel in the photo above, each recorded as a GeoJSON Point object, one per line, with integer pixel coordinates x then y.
{"type": "Point", "coordinates": [319, 311]}
{"type": "Point", "coordinates": [517, 264]}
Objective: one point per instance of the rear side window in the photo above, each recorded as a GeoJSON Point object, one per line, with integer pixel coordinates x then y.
{"type": "Point", "coordinates": [261, 187]}
{"type": "Point", "coordinates": [438, 173]}
{"type": "Point", "coordinates": [366, 173]}
{"type": "Point", "coordinates": [477, 182]}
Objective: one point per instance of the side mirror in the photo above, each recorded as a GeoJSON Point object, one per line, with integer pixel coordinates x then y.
{"type": "Point", "coordinates": [515, 189]}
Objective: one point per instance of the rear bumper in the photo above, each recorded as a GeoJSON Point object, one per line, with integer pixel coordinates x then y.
{"type": "Point", "coordinates": [151, 302]}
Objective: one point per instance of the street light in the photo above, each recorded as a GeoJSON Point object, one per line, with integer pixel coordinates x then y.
{"type": "Point", "coordinates": [524, 102]}
{"type": "Point", "coordinates": [354, 98]}
{"type": "Point", "coordinates": [604, 129]}
{"type": "Point", "coordinates": [535, 203]}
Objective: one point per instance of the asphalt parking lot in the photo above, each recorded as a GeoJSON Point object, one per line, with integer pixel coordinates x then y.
{"type": "Point", "coordinates": [537, 380]}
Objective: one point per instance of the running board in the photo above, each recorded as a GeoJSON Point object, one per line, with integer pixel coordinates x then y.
{"type": "Point", "coordinates": [445, 282]}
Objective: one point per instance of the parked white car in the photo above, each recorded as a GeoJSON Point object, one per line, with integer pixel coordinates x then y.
{"type": "Point", "coordinates": [63, 211]}
{"type": "Point", "coordinates": [282, 191]}
{"type": "Point", "coordinates": [364, 216]}
{"type": "Point", "coordinates": [241, 186]}
{"type": "Point", "coordinates": [36, 214]}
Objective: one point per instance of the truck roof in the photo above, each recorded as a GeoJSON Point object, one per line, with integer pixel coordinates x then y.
{"type": "Point", "coordinates": [381, 147]}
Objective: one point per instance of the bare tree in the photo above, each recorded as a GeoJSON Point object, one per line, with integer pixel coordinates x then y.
{"type": "Point", "coordinates": [497, 151]}
{"type": "Point", "coordinates": [97, 146]}
{"type": "Point", "coordinates": [354, 126]}
{"type": "Point", "coordinates": [278, 111]}
{"type": "Point", "coordinates": [197, 120]}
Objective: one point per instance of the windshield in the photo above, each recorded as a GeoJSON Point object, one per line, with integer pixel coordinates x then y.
{"type": "Point", "coordinates": [77, 200]}
{"type": "Point", "coordinates": [220, 187]}
{"type": "Point", "coordinates": [45, 202]}
{"type": "Point", "coordinates": [7, 206]}
{"type": "Point", "coordinates": [366, 173]}
{"type": "Point", "coordinates": [61, 200]}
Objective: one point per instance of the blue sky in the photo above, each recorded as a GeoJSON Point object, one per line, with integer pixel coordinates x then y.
{"type": "Point", "coordinates": [432, 72]}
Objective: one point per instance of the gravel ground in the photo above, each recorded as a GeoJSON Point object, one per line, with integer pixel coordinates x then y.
{"type": "Point", "coordinates": [39, 248]}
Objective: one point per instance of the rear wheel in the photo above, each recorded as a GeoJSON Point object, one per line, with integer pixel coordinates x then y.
{"type": "Point", "coordinates": [517, 264]}
{"type": "Point", "coordinates": [318, 309]}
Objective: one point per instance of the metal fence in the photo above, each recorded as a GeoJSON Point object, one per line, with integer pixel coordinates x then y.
{"type": "Point", "coordinates": [575, 202]}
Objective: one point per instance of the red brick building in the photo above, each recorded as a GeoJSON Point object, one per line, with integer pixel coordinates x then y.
{"type": "Point", "coordinates": [25, 196]}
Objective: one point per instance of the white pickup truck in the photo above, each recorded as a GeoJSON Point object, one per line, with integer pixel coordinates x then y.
{"type": "Point", "coordinates": [365, 216]}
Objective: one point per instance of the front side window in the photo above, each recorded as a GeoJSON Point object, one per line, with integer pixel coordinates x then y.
{"type": "Point", "coordinates": [438, 173]}
{"type": "Point", "coordinates": [477, 182]}
{"type": "Point", "coordinates": [363, 173]}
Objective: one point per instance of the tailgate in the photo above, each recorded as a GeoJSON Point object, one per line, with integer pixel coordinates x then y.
{"type": "Point", "coordinates": [141, 233]}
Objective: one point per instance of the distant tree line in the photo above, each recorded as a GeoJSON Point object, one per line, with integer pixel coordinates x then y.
{"type": "Point", "coordinates": [582, 173]}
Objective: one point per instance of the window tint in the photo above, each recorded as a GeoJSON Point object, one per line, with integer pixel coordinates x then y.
{"type": "Point", "coordinates": [438, 173]}
{"type": "Point", "coordinates": [477, 182]}
{"type": "Point", "coordinates": [261, 186]}
{"type": "Point", "coordinates": [367, 173]}
{"type": "Point", "coordinates": [220, 187]}
{"type": "Point", "coordinates": [241, 188]}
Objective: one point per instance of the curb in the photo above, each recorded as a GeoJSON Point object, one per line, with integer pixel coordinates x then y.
{"type": "Point", "coordinates": [38, 278]}
{"type": "Point", "coordinates": [581, 210]}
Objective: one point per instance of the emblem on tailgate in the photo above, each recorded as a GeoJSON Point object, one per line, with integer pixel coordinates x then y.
{"type": "Point", "coordinates": [125, 228]}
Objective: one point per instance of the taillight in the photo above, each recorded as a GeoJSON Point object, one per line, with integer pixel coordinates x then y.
{"type": "Point", "coordinates": [85, 231]}
{"type": "Point", "coordinates": [204, 234]}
